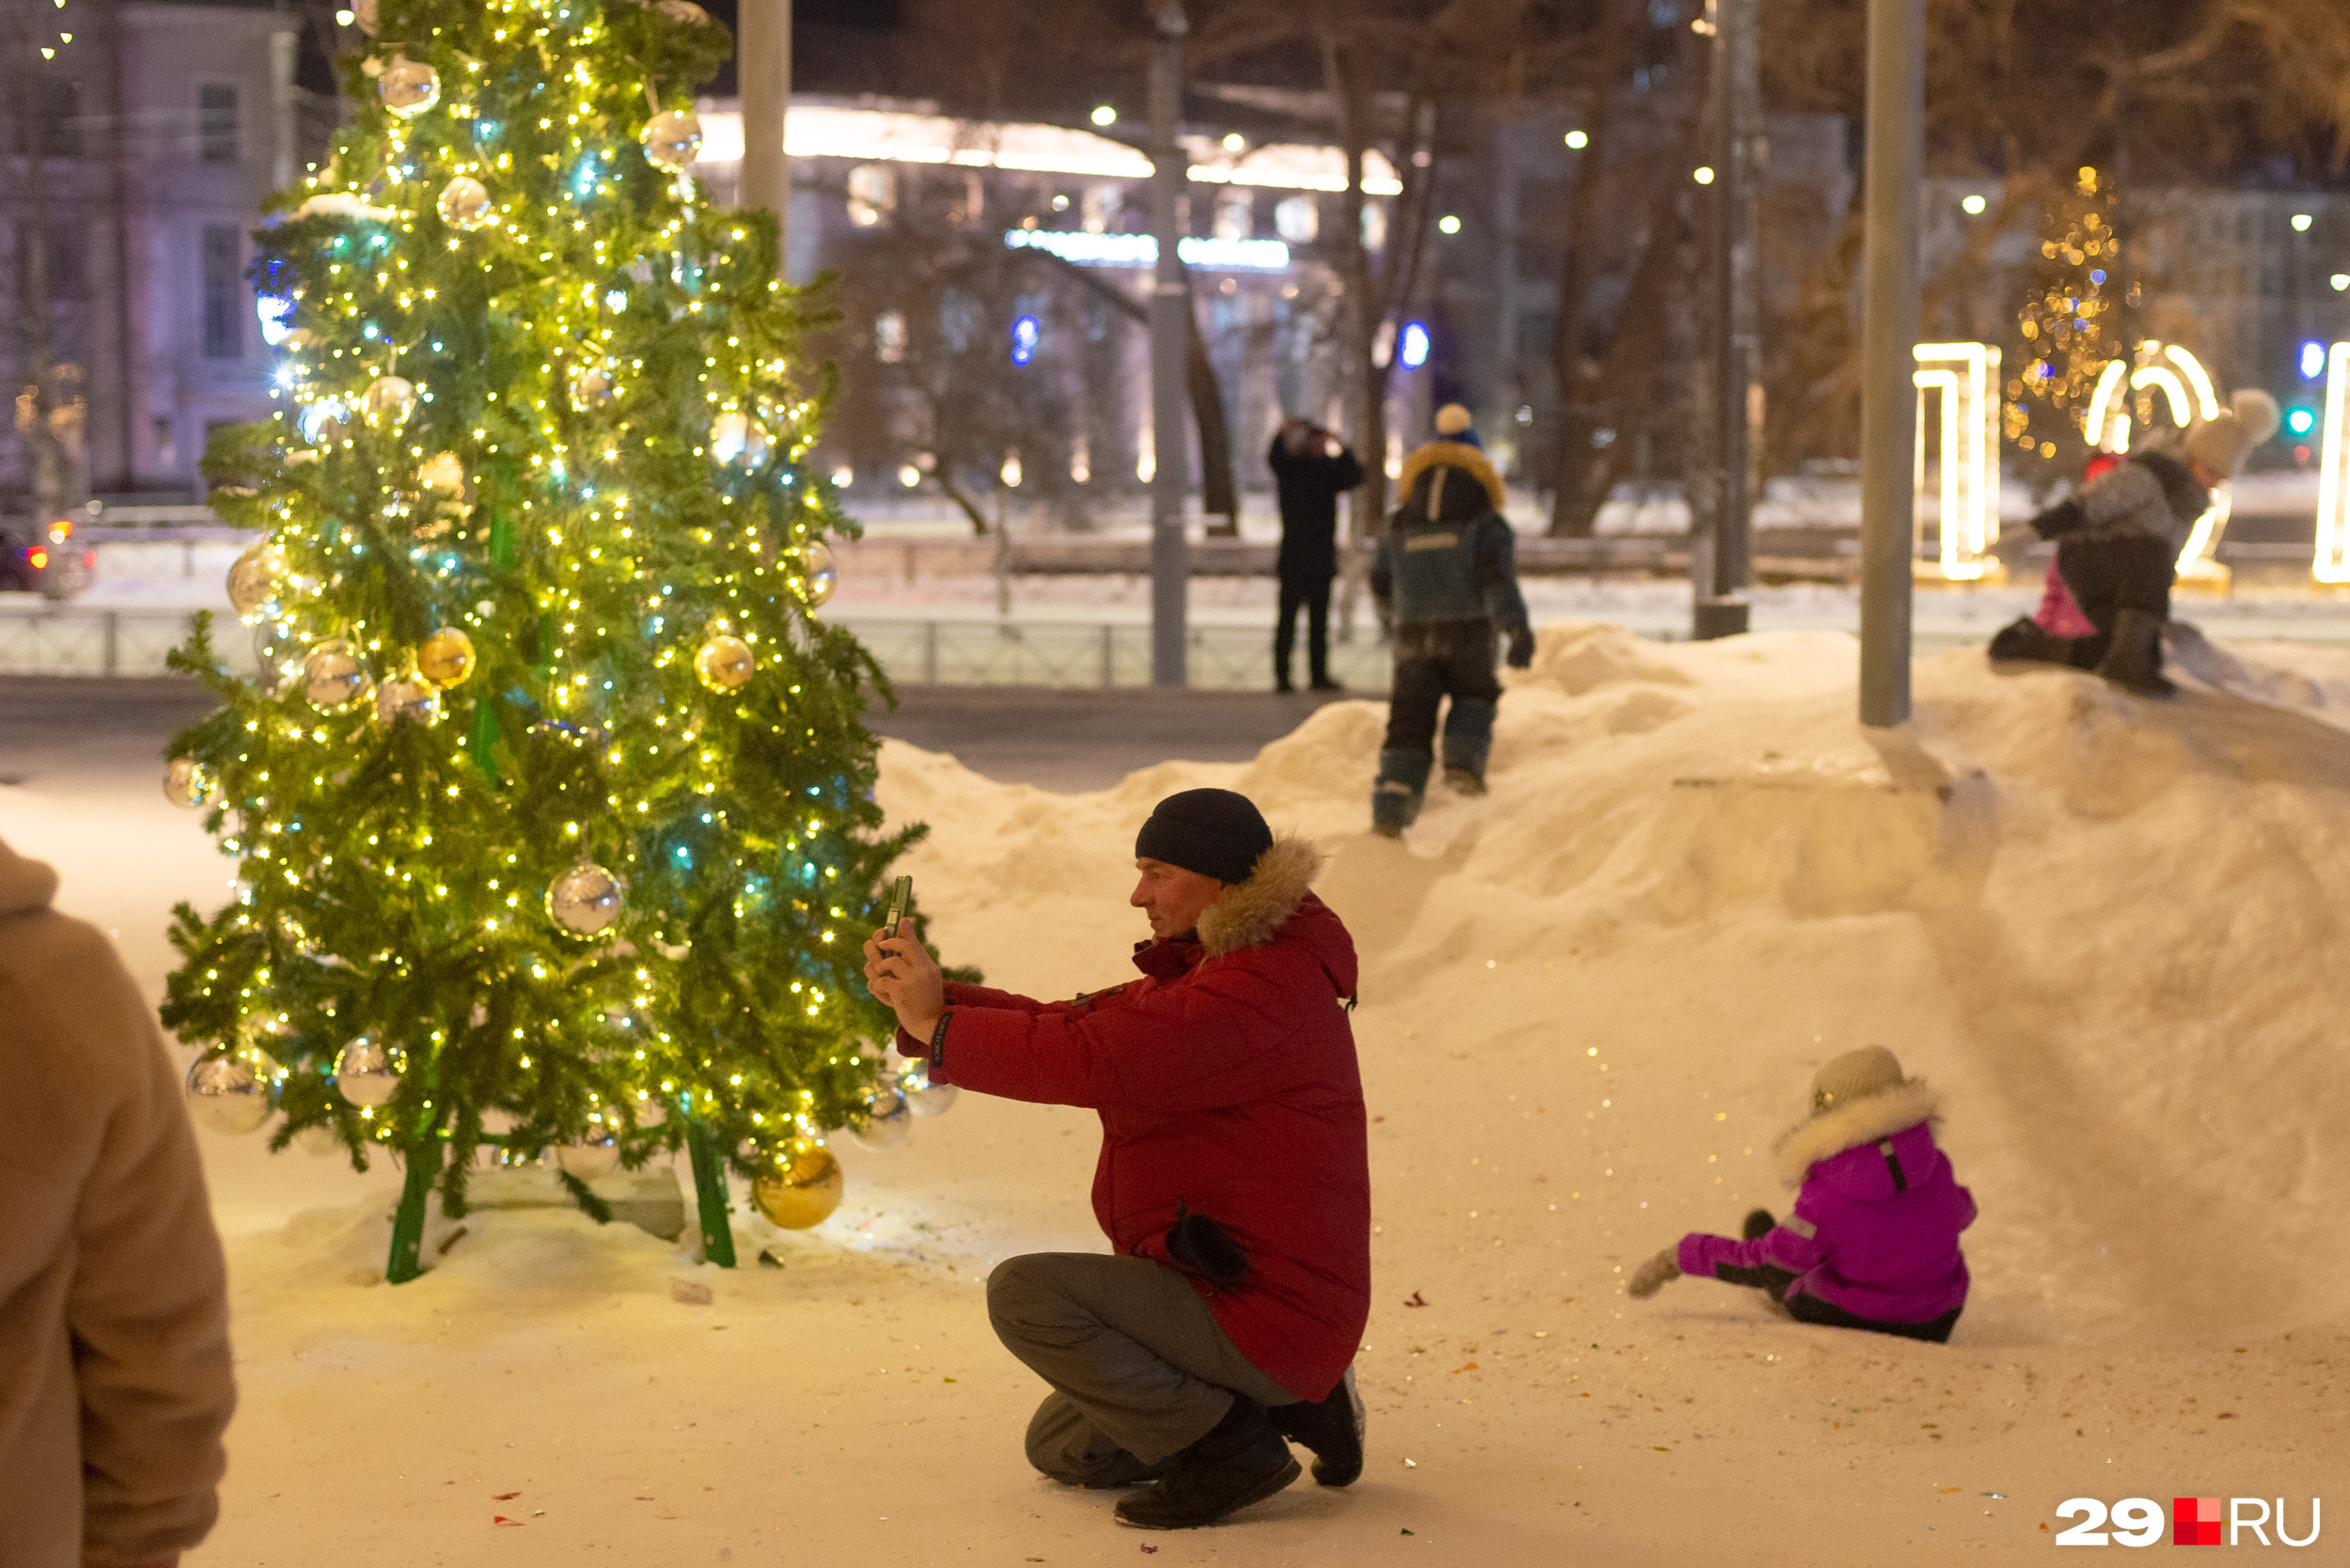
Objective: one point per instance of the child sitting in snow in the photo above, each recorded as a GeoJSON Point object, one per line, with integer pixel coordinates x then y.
{"type": "Point", "coordinates": [1873, 1240]}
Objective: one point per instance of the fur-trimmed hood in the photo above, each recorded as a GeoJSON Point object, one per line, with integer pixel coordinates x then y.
{"type": "Point", "coordinates": [1453, 454]}
{"type": "Point", "coordinates": [1250, 913]}
{"type": "Point", "coordinates": [1872, 1120]}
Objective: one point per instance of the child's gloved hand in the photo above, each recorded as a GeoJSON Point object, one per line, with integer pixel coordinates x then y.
{"type": "Point", "coordinates": [1651, 1277]}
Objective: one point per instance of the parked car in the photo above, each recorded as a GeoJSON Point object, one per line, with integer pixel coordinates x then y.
{"type": "Point", "coordinates": [41, 559]}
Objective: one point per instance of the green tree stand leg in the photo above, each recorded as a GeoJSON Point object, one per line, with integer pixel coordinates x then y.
{"type": "Point", "coordinates": [709, 1197]}
{"type": "Point", "coordinates": [424, 1164]}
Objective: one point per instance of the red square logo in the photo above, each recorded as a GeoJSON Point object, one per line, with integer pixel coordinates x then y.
{"type": "Point", "coordinates": [2195, 1521]}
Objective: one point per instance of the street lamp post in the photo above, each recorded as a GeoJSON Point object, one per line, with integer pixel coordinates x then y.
{"type": "Point", "coordinates": [765, 65]}
{"type": "Point", "coordinates": [1720, 608]}
{"type": "Point", "coordinates": [1170, 567]}
{"type": "Point", "coordinates": [1896, 158]}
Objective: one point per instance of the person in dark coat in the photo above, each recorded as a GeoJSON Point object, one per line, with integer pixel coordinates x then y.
{"type": "Point", "coordinates": [1873, 1242]}
{"type": "Point", "coordinates": [2118, 544]}
{"type": "Point", "coordinates": [1233, 1181]}
{"type": "Point", "coordinates": [1312, 469]}
{"type": "Point", "coordinates": [1445, 580]}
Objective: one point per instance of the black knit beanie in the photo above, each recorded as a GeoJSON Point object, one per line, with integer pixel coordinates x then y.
{"type": "Point", "coordinates": [1213, 832]}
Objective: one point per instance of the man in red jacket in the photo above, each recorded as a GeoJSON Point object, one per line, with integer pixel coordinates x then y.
{"type": "Point", "coordinates": [1234, 1177]}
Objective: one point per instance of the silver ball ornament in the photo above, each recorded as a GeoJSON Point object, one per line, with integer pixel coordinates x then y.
{"type": "Point", "coordinates": [408, 87]}
{"type": "Point", "coordinates": [390, 399]}
{"type": "Point", "coordinates": [252, 580]}
{"type": "Point", "coordinates": [409, 696]}
{"type": "Point", "coordinates": [596, 1154]}
{"type": "Point", "coordinates": [591, 387]}
{"type": "Point", "coordinates": [819, 572]}
{"type": "Point", "coordinates": [673, 138]}
{"type": "Point", "coordinates": [367, 1072]}
{"type": "Point", "coordinates": [332, 676]}
{"type": "Point", "coordinates": [925, 1098]}
{"type": "Point", "coordinates": [888, 1117]}
{"type": "Point", "coordinates": [465, 203]}
{"type": "Point", "coordinates": [320, 1138]}
{"type": "Point", "coordinates": [586, 900]}
{"type": "Point", "coordinates": [188, 782]}
{"type": "Point", "coordinates": [227, 1095]}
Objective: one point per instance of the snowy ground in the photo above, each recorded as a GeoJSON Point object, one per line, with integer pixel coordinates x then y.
{"type": "Point", "coordinates": [2105, 928]}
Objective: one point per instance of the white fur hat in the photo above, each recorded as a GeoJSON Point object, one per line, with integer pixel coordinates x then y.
{"type": "Point", "coordinates": [1854, 1075]}
{"type": "Point", "coordinates": [2222, 442]}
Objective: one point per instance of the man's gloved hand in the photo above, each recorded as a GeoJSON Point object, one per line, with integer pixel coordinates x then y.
{"type": "Point", "coordinates": [2063, 518]}
{"type": "Point", "coordinates": [1521, 648]}
{"type": "Point", "coordinates": [1653, 1275]}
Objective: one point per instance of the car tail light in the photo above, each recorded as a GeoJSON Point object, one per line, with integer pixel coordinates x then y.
{"type": "Point", "coordinates": [60, 531]}
{"type": "Point", "coordinates": [39, 556]}
{"type": "Point", "coordinates": [90, 560]}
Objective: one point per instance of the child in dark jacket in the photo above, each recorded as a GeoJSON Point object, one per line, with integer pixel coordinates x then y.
{"type": "Point", "coordinates": [1873, 1242]}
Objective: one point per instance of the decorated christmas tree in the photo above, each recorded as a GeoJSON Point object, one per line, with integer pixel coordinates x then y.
{"type": "Point", "coordinates": [552, 804]}
{"type": "Point", "coordinates": [2071, 330]}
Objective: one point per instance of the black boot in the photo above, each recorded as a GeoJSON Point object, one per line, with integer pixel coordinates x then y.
{"type": "Point", "coordinates": [2025, 639]}
{"type": "Point", "coordinates": [1758, 1224]}
{"type": "Point", "coordinates": [1332, 1427]}
{"type": "Point", "coordinates": [1241, 1461]}
{"type": "Point", "coordinates": [2135, 660]}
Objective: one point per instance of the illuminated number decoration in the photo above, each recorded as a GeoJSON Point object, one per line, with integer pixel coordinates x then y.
{"type": "Point", "coordinates": [2332, 561]}
{"type": "Point", "coordinates": [2186, 396]}
{"type": "Point", "coordinates": [1963, 380]}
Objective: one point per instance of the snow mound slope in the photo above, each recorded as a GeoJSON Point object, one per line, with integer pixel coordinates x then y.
{"type": "Point", "coordinates": [2103, 926]}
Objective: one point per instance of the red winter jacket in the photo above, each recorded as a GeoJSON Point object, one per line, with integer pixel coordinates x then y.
{"type": "Point", "coordinates": [1227, 1082]}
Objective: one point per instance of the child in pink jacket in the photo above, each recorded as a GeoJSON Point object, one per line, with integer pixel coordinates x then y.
{"type": "Point", "coordinates": [1873, 1242]}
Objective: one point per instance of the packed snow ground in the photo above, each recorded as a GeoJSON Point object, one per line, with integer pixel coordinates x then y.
{"type": "Point", "coordinates": [2108, 929]}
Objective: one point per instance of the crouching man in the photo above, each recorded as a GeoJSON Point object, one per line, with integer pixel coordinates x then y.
{"type": "Point", "coordinates": [1233, 1181]}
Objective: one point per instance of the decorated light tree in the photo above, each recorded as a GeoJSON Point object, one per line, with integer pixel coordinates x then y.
{"type": "Point", "coordinates": [552, 803]}
{"type": "Point", "coordinates": [2071, 329]}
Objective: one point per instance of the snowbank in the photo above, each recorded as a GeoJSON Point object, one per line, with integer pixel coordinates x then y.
{"type": "Point", "coordinates": [2105, 927]}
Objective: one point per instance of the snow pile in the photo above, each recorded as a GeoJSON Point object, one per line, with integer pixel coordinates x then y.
{"type": "Point", "coordinates": [2105, 927]}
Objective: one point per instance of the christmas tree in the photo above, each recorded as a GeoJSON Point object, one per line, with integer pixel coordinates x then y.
{"type": "Point", "coordinates": [2070, 330]}
{"type": "Point", "coordinates": [552, 803]}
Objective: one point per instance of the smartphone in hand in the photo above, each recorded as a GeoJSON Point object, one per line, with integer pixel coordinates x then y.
{"type": "Point", "coordinates": [901, 899]}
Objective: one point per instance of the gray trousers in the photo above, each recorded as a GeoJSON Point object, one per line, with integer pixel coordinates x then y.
{"type": "Point", "coordinates": [1139, 1369]}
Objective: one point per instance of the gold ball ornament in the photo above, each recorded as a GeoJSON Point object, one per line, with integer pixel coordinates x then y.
{"type": "Point", "coordinates": [407, 696]}
{"type": "Point", "coordinates": [331, 675]}
{"type": "Point", "coordinates": [673, 138]}
{"type": "Point", "coordinates": [363, 14]}
{"type": "Point", "coordinates": [187, 782]}
{"type": "Point", "coordinates": [586, 900]}
{"type": "Point", "coordinates": [227, 1095]}
{"type": "Point", "coordinates": [445, 658]}
{"type": "Point", "coordinates": [465, 203]}
{"type": "Point", "coordinates": [252, 580]}
{"type": "Point", "coordinates": [725, 663]}
{"type": "Point", "coordinates": [819, 572]}
{"type": "Point", "coordinates": [685, 11]}
{"type": "Point", "coordinates": [390, 399]}
{"type": "Point", "coordinates": [408, 87]}
{"type": "Point", "coordinates": [800, 1185]}
{"type": "Point", "coordinates": [368, 1070]}
{"type": "Point", "coordinates": [591, 387]}
{"type": "Point", "coordinates": [444, 475]}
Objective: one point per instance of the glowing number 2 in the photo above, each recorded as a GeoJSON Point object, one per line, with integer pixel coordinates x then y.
{"type": "Point", "coordinates": [2086, 1533]}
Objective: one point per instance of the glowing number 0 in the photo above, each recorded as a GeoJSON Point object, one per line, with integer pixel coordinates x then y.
{"type": "Point", "coordinates": [2138, 1522]}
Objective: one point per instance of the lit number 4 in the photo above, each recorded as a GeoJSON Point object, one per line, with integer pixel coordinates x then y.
{"type": "Point", "coordinates": [2137, 1522]}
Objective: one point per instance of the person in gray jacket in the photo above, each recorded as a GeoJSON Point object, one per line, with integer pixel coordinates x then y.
{"type": "Point", "coordinates": [1446, 579]}
{"type": "Point", "coordinates": [2118, 543]}
{"type": "Point", "coordinates": [114, 1369]}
